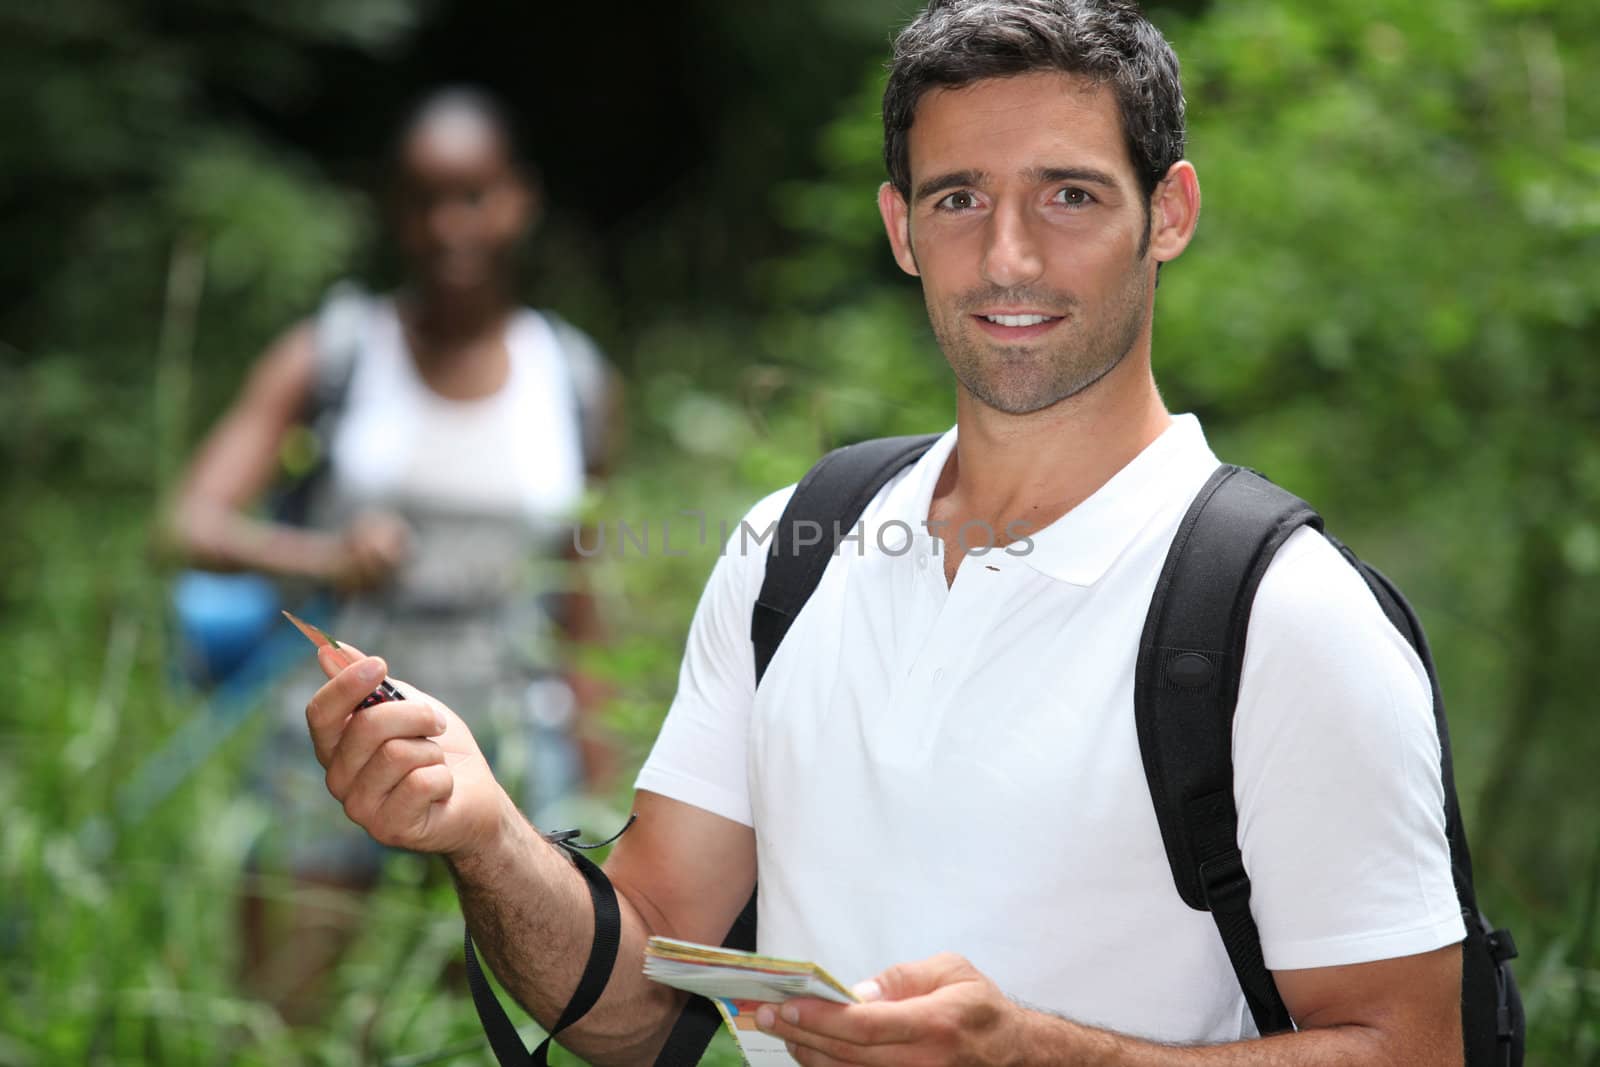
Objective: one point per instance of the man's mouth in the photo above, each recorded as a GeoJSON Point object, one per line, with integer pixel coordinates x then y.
{"type": "Point", "coordinates": [1016, 325]}
{"type": "Point", "coordinates": [1020, 320]}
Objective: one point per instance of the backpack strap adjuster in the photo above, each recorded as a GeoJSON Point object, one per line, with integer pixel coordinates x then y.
{"type": "Point", "coordinates": [1224, 883]}
{"type": "Point", "coordinates": [1501, 946]}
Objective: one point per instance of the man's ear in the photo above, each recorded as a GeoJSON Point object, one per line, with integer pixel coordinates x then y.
{"type": "Point", "coordinates": [897, 223]}
{"type": "Point", "coordinates": [1174, 211]}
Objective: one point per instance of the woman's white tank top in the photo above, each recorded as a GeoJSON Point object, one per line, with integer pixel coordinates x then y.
{"type": "Point", "coordinates": [488, 486]}
{"type": "Point", "coordinates": [515, 452]}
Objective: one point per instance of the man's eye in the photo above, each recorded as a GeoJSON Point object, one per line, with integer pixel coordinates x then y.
{"type": "Point", "coordinates": [958, 201]}
{"type": "Point", "coordinates": [1074, 197]}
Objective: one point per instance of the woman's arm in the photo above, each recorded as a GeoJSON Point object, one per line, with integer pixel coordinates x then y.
{"type": "Point", "coordinates": [207, 523]}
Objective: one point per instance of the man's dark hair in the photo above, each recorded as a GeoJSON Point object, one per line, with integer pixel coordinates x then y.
{"type": "Point", "coordinates": [957, 42]}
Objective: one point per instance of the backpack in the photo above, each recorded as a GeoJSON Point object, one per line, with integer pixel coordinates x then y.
{"type": "Point", "coordinates": [1186, 685]}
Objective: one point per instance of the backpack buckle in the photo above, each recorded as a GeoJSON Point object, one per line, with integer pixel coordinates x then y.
{"type": "Point", "coordinates": [1224, 885]}
{"type": "Point", "coordinates": [1501, 946]}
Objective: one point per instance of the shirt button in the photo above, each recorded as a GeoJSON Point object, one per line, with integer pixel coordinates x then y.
{"type": "Point", "coordinates": [922, 562]}
{"type": "Point", "coordinates": [938, 676]}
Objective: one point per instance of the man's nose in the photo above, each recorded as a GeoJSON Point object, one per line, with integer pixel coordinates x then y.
{"type": "Point", "coordinates": [1012, 255]}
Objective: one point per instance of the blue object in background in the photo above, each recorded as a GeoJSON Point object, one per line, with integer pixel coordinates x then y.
{"type": "Point", "coordinates": [221, 620]}
{"type": "Point", "coordinates": [234, 644]}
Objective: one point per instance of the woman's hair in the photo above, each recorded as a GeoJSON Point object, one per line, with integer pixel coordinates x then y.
{"type": "Point", "coordinates": [471, 100]}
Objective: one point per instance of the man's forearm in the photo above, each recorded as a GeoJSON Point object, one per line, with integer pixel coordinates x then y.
{"type": "Point", "coordinates": [1050, 1039]}
{"type": "Point", "coordinates": [532, 920]}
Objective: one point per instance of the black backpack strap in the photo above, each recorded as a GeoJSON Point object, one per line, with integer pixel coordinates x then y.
{"type": "Point", "coordinates": [828, 501]}
{"type": "Point", "coordinates": [1185, 689]}
{"type": "Point", "coordinates": [826, 504]}
{"type": "Point", "coordinates": [339, 332]}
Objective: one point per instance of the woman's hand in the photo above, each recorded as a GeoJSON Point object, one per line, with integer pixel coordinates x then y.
{"type": "Point", "coordinates": [368, 551]}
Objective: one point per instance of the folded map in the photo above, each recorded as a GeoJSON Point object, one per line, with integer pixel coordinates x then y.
{"type": "Point", "coordinates": [739, 982]}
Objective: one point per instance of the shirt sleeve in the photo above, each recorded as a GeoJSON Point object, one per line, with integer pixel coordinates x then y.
{"type": "Point", "coordinates": [701, 754]}
{"type": "Point", "coordinates": [1336, 773]}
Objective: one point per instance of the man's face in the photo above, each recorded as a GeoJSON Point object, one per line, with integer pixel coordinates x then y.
{"type": "Point", "coordinates": [462, 206]}
{"type": "Point", "coordinates": [1029, 231]}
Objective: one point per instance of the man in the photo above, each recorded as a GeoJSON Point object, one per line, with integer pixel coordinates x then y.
{"type": "Point", "coordinates": [941, 757]}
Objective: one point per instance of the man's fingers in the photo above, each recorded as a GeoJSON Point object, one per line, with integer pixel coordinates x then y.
{"type": "Point", "coordinates": [330, 707]}
{"type": "Point", "coordinates": [404, 817]}
{"type": "Point", "coordinates": [368, 735]}
{"type": "Point", "coordinates": [386, 774]}
{"type": "Point", "coordinates": [837, 1029]}
{"type": "Point", "coordinates": [918, 978]}
{"type": "Point", "coordinates": [815, 1049]}
{"type": "Point", "coordinates": [930, 1011]}
{"type": "Point", "coordinates": [333, 660]}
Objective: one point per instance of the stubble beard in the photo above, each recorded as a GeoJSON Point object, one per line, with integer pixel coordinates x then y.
{"type": "Point", "coordinates": [1077, 353]}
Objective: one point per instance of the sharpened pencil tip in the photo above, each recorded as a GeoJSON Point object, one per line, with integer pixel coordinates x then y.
{"type": "Point", "coordinates": [312, 634]}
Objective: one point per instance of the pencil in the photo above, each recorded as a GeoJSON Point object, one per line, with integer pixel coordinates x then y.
{"type": "Point", "coordinates": [385, 691]}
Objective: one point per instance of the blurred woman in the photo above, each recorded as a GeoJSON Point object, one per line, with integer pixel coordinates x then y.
{"type": "Point", "coordinates": [457, 429]}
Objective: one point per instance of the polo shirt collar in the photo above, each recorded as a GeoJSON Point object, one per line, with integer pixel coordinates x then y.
{"type": "Point", "coordinates": [1080, 547]}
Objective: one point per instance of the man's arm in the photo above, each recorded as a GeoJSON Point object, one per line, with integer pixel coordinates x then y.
{"type": "Point", "coordinates": [410, 774]}
{"type": "Point", "coordinates": [1402, 1012]}
{"type": "Point", "coordinates": [531, 916]}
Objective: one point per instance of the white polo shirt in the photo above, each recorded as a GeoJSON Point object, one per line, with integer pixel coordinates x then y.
{"type": "Point", "coordinates": [933, 768]}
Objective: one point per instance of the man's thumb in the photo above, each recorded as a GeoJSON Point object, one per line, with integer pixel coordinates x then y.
{"type": "Point", "coordinates": [332, 659]}
{"type": "Point", "coordinates": [867, 991]}
{"type": "Point", "coordinates": [905, 980]}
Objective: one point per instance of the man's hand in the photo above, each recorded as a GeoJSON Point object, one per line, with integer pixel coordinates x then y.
{"type": "Point", "coordinates": [407, 772]}
{"type": "Point", "coordinates": [937, 1011]}
{"type": "Point", "coordinates": [941, 1011]}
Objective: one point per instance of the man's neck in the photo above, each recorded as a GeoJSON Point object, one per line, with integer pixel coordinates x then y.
{"type": "Point", "coordinates": [1035, 468]}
